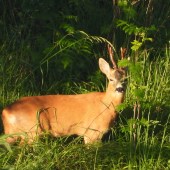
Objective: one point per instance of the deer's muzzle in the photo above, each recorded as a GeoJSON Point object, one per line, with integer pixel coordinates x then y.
{"type": "Point", "coordinates": [120, 90]}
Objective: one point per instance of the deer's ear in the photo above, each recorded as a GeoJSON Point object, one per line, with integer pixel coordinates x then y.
{"type": "Point", "coordinates": [104, 67]}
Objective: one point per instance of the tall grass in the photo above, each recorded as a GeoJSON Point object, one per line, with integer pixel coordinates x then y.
{"type": "Point", "coordinates": [151, 149]}
{"type": "Point", "coordinates": [41, 52]}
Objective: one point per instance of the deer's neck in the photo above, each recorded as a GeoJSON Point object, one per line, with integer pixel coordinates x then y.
{"type": "Point", "coordinates": [111, 98]}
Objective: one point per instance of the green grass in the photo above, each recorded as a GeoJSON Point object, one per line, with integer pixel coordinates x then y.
{"type": "Point", "coordinates": [117, 154]}
{"type": "Point", "coordinates": [41, 52]}
{"type": "Point", "coordinates": [151, 151]}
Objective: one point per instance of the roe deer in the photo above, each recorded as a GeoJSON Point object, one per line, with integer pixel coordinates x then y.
{"type": "Point", "coordinates": [88, 115]}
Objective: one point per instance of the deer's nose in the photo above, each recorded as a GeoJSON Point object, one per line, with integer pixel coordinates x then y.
{"type": "Point", "coordinates": [120, 90]}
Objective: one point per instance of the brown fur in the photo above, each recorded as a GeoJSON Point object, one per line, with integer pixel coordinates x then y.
{"type": "Point", "coordinates": [89, 115]}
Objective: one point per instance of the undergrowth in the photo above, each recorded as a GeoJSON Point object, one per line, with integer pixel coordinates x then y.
{"type": "Point", "coordinates": [43, 51]}
{"type": "Point", "coordinates": [119, 149]}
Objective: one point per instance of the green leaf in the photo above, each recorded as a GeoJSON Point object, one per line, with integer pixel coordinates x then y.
{"type": "Point", "coordinates": [124, 63]}
{"type": "Point", "coordinates": [68, 28]}
{"type": "Point", "coordinates": [152, 28]}
{"type": "Point", "coordinates": [132, 121]}
{"type": "Point", "coordinates": [139, 93]}
{"type": "Point", "coordinates": [66, 61]}
{"type": "Point", "coordinates": [125, 129]}
{"type": "Point", "coordinates": [154, 122]}
{"type": "Point", "coordinates": [122, 3]}
{"type": "Point", "coordinates": [135, 68]}
{"type": "Point", "coordinates": [121, 106]}
{"type": "Point", "coordinates": [144, 122]}
{"type": "Point", "coordinates": [136, 45]}
{"type": "Point", "coordinates": [120, 23]}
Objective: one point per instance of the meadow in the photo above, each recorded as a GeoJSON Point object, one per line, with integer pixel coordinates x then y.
{"type": "Point", "coordinates": [48, 48]}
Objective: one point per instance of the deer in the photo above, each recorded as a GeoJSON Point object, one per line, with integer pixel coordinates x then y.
{"type": "Point", "coordinates": [88, 115]}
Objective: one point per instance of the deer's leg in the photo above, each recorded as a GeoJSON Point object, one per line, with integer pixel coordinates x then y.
{"type": "Point", "coordinates": [92, 136]}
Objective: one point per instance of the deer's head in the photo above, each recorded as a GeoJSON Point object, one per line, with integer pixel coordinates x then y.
{"type": "Point", "coordinates": [116, 76]}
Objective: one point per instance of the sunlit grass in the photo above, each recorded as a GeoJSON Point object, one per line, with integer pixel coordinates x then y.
{"type": "Point", "coordinates": [119, 150]}
{"type": "Point", "coordinates": [29, 33]}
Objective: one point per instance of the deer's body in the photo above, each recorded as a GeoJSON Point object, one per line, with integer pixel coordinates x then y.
{"type": "Point", "coordinates": [89, 115]}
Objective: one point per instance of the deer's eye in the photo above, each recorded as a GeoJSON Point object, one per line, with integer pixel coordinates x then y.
{"type": "Point", "coordinates": [111, 79]}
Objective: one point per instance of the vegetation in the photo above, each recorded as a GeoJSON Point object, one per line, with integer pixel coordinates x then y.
{"type": "Point", "coordinates": [52, 47]}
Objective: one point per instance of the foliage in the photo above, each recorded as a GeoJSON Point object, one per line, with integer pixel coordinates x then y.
{"type": "Point", "coordinates": [41, 49]}
{"type": "Point", "coordinates": [143, 21]}
{"type": "Point", "coordinates": [52, 47]}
